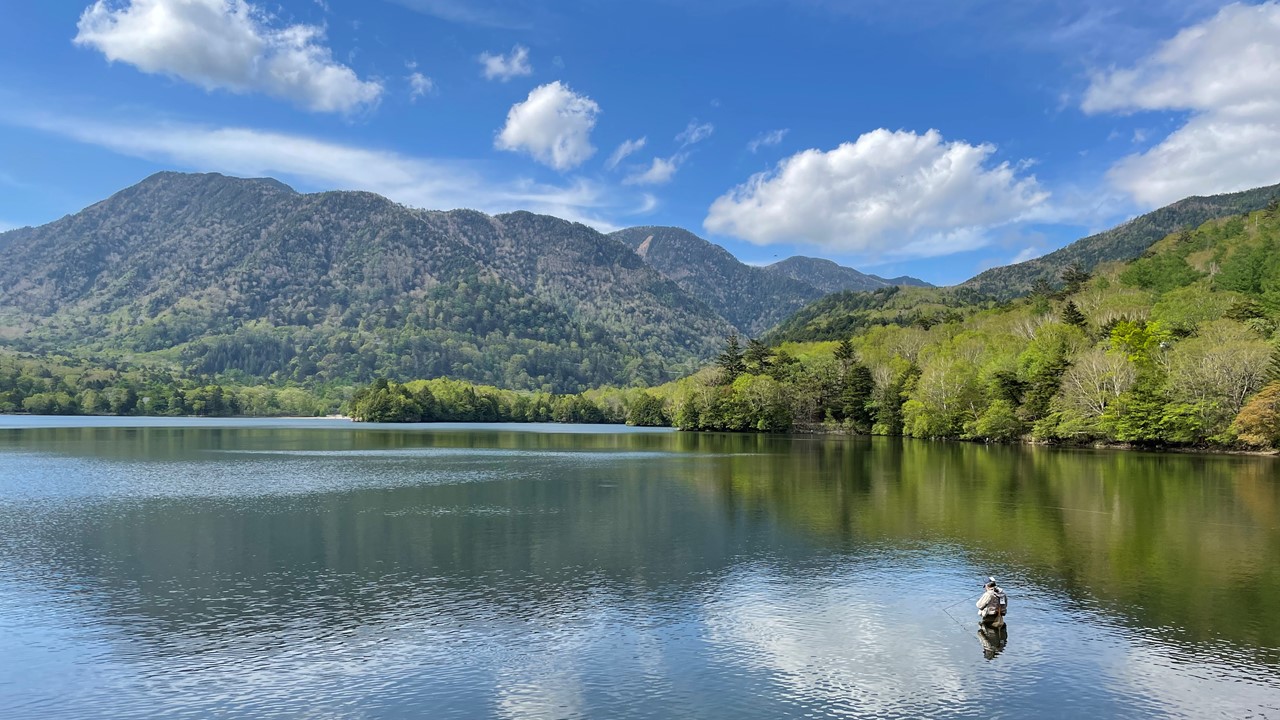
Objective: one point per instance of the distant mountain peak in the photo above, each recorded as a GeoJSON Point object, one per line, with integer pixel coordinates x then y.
{"type": "Point", "coordinates": [830, 276]}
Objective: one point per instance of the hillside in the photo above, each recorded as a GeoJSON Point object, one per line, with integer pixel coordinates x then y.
{"type": "Point", "coordinates": [750, 298]}
{"type": "Point", "coordinates": [1124, 242]}
{"type": "Point", "coordinates": [830, 277]}
{"type": "Point", "coordinates": [753, 299]}
{"type": "Point", "coordinates": [249, 278]}
{"type": "Point", "coordinates": [1176, 347]}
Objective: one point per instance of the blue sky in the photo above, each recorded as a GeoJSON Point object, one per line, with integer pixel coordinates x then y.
{"type": "Point", "coordinates": [935, 138]}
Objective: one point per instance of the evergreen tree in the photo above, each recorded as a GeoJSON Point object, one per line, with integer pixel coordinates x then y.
{"type": "Point", "coordinates": [731, 360]}
{"type": "Point", "coordinates": [845, 352]}
{"type": "Point", "coordinates": [1073, 278]}
{"type": "Point", "coordinates": [1071, 315]}
{"type": "Point", "coordinates": [757, 356]}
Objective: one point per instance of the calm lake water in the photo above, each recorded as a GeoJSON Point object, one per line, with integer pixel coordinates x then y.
{"type": "Point", "coordinates": [319, 569]}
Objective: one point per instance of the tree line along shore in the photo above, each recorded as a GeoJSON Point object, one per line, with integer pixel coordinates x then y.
{"type": "Point", "coordinates": [1176, 348]}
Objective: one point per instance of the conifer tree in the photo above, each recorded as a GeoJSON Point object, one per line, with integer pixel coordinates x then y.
{"type": "Point", "coordinates": [1071, 315]}
{"type": "Point", "coordinates": [731, 359]}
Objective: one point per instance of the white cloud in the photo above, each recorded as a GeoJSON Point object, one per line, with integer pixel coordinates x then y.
{"type": "Point", "coordinates": [773, 137]}
{"type": "Point", "coordinates": [695, 132]}
{"type": "Point", "coordinates": [225, 44]}
{"type": "Point", "coordinates": [1027, 253]}
{"type": "Point", "coordinates": [505, 67]}
{"type": "Point", "coordinates": [553, 125]}
{"type": "Point", "coordinates": [418, 182]}
{"type": "Point", "coordinates": [626, 148]}
{"type": "Point", "coordinates": [420, 85]}
{"type": "Point", "coordinates": [1224, 72]}
{"type": "Point", "coordinates": [896, 193]}
{"type": "Point", "coordinates": [659, 172]}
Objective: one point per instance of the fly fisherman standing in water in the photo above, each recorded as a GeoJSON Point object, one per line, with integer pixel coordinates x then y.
{"type": "Point", "coordinates": [993, 604]}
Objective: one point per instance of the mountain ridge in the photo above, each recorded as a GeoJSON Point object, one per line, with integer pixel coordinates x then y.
{"type": "Point", "coordinates": [755, 299]}
{"type": "Point", "coordinates": [1125, 241]}
{"type": "Point", "coordinates": [347, 285]}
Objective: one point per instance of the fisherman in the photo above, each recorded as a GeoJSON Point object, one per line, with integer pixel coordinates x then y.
{"type": "Point", "coordinates": [993, 605]}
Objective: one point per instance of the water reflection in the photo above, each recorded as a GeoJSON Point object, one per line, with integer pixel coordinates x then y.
{"type": "Point", "coordinates": [993, 639]}
{"type": "Point", "coordinates": [251, 571]}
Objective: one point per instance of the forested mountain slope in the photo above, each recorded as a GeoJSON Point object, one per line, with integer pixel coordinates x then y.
{"type": "Point", "coordinates": [1175, 347]}
{"type": "Point", "coordinates": [830, 277]}
{"type": "Point", "coordinates": [249, 277]}
{"type": "Point", "coordinates": [754, 299]}
{"type": "Point", "coordinates": [751, 298]}
{"type": "Point", "coordinates": [1124, 242]}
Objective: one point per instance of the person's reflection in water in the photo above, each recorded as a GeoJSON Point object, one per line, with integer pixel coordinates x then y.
{"type": "Point", "coordinates": [993, 639]}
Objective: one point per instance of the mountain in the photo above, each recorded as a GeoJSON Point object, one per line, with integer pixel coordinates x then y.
{"type": "Point", "coordinates": [751, 298]}
{"type": "Point", "coordinates": [248, 277]}
{"type": "Point", "coordinates": [829, 277]}
{"type": "Point", "coordinates": [754, 299]}
{"type": "Point", "coordinates": [841, 315]}
{"type": "Point", "coordinates": [1124, 242]}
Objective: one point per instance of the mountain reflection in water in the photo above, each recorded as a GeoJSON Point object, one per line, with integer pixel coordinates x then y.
{"type": "Point", "coordinates": [321, 568]}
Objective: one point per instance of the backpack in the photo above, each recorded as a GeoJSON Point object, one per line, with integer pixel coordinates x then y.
{"type": "Point", "coordinates": [1002, 602]}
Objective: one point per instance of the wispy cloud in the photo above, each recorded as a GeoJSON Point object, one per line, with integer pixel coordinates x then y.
{"type": "Point", "coordinates": [658, 172]}
{"type": "Point", "coordinates": [420, 85]}
{"type": "Point", "coordinates": [626, 148]}
{"type": "Point", "coordinates": [695, 133]}
{"type": "Point", "coordinates": [773, 137]}
{"type": "Point", "coordinates": [321, 164]}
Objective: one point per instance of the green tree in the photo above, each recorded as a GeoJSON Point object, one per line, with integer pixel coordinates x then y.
{"type": "Point", "coordinates": [1073, 278]}
{"type": "Point", "coordinates": [1071, 315]}
{"type": "Point", "coordinates": [757, 356]}
{"type": "Point", "coordinates": [731, 360]}
{"type": "Point", "coordinates": [646, 410]}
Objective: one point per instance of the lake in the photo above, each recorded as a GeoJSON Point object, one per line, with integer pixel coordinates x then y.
{"type": "Point", "coordinates": [176, 568]}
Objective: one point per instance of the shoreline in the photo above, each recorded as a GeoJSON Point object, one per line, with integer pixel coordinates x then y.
{"type": "Point", "coordinates": [1091, 445]}
{"type": "Point", "coordinates": [799, 430]}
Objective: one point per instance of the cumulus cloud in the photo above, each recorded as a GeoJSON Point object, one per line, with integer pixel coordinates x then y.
{"type": "Point", "coordinates": [659, 172]}
{"type": "Point", "coordinates": [420, 85]}
{"type": "Point", "coordinates": [895, 193]}
{"type": "Point", "coordinates": [553, 125]}
{"type": "Point", "coordinates": [626, 148]}
{"type": "Point", "coordinates": [695, 132]}
{"type": "Point", "coordinates": [420, 182]}
{"type": "Point", "coordinates": [773, 137]}
{"type": "Point", "coordinates": [1224, 72]}
{"type": "Point", "coordinates": [504, 67]}
{"type": "Point", "coordinates": [225, 44]}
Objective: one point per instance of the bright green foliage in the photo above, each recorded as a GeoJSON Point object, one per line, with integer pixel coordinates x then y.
{"type": "Point", "coordinates": [444, 400]}
{"type": "Point", "coordinates": [1162, 273]}
{"type": "Point", "coordinates": [80, 387]}
{"type": "Point", "coordinates": [999, 421]}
